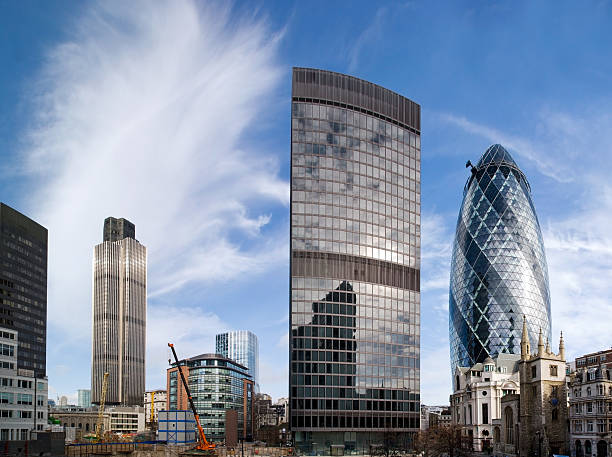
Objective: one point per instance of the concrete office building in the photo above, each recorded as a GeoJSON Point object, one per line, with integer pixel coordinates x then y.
{"type": "Point", "coordinates": [355, 263]}
{"type": "Point", "coordinates": [23, 395]}
{"type": "Point", "coordinates": [498, 269]}
{"type": "Point", "coordinates": [23, 286]}
{"type": "Point", "coordinates": [119, 315]}
{"type": "Point", "coordinates": [243, 347]}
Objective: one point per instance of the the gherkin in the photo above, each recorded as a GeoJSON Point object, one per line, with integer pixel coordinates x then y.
{"type": "Point", "coordinates": [498, 268]}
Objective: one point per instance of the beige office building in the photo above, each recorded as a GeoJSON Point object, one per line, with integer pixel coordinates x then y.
{"type": "Point", "coordinates": [119, 315]}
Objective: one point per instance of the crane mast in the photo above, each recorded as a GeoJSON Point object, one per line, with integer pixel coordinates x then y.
{"type": "Point", "coordinates": [203, 443]}
{"type": "Point", "coordinates": [101, 409]}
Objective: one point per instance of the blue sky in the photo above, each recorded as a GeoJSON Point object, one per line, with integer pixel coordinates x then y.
{"type": "Point", "coordinates": [175, 115]}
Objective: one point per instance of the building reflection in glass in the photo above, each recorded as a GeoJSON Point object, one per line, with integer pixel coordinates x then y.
{"type": "Point", "coordinates": [355, 262]}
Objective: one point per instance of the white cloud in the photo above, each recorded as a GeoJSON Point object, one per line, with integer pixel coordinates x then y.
{"type": "Point", "coordinates": [368, 36]}
{"type": "Point", "coordinates": [144, 114]}
{"type": "Point", "coordinates": [435, 373]}
{"type": "Point", "coordinates": [191, 333]}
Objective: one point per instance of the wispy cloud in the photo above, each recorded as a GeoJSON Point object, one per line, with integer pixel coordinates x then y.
{"type": "Point", "coordinates": [538, 154]}
{"type": "Point", "coordinates": [143, 114]}
{"type": "Point", "coordinates": [368, 35]}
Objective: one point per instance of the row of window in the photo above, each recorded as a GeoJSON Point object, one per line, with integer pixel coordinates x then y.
{"type": "Point", "coordinates": [371, 290]}
{"type": "Point", "coordinates": [364, 422]}
{"type": "Point", "coordinates": [8, 413]}
{"type": "Point", "coordinates": [21, 383]}
{"type": "Point", "coordinates": [598, 426]}
{"type": "Point", "coordinates": [19, 399]}
{"type": "Point", "coordinates": [591, 407]}
{"type": "Point", "coordinates": [600, 390]}
{"type": "Point", "coordinates": [386, 130]}
{"type": "Point", "coordinates": [353, 405]}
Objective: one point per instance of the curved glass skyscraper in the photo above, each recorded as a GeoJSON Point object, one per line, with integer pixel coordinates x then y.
{"type": "Point", "coordinates": [355, 263]}
{"type": "Point", "coordinates": [498, 269]}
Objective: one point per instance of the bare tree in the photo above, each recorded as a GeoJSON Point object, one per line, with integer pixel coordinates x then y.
{"type": "Point", "coordinates": [441, 441]}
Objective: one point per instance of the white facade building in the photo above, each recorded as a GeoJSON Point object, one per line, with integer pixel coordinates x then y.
{"type": "Point", "coordinates": [590, 394]}
{"type": "Point", "coordinates": [158, 397]}
{"type": "Point", "coordinates": [476, 400]}
{"type": "Point", "coordinates": [23, 398]}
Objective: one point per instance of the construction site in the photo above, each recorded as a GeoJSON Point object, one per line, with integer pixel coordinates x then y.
{"type": "Point", "coordinates": [171, 433]}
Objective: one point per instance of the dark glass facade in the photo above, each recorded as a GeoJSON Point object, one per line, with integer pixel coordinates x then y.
{"type": "Point", "coordinates": [498, 269]}
{"type": "Point", "coordinates": [355, 263]}
{"type": "Point", "coordinates": [217, 384]}
{"type": "Point", "coordinates": [116, 229]}
{"type": "Point", "coordinates": [23, 286]}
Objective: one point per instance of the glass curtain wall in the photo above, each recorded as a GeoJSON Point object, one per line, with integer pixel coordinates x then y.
{"type": "Point", "coordinates": [355, 264]}
{"type": "Point", "coordinates": [498, 270]}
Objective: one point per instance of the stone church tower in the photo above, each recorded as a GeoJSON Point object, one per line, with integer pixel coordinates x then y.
{"type": "Point", "coordinates": [543, 399]}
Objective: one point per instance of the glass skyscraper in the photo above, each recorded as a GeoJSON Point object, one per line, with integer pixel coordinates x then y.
{"type": "Point", "coordinates": [355, 263]}
{"type": "Point", "coordinates": [242, 347]}
{"type": "Point", "coordinates": [498, 269]}
{"type": "Point", "coordinates": [23, 287]}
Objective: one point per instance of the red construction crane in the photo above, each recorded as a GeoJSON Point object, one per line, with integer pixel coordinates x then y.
{"type": "Point", "coordinates": [203, 443]}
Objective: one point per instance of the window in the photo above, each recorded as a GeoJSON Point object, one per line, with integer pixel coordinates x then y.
{"type": "Point", "coordinates": [25, 414]}
{"type": "Point", "coordinates": [601, 426]}
{"type": "Point", "coordinates": [533, 372]}
{"type": "Point", "coordinates": [470, 413]}
{"type": "Point", "coordinates": [6, 397]}
{"type": "Point", "coordinates": [7, 349]}
{"type": "Point", "coordinates": [6, 382]}
{"type": "Point", "coordinates": [23, 384]}
{"type": "Point", "coordinates": [554, 391]}
{"type": "Point", "coordinates": [589, 406]}
{"type": "Point", "coordinates": [553, 370]}
{"type": "Point", "coordinates": [555, 414]}
{"type": "Point", "coordinates": [24, 399]}
{"type": "Point", "coordinates": [589, 426]}
{"type": "Point", "coordinates": [485, 413]}
{"type": "Point", "coordinates": [509, 425]}
{"type": "Point", "coordinates": [6, 413]}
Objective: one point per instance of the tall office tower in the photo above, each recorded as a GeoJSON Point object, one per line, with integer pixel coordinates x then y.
{"type": "Point", "coordinates": [23, 286]}
{"type": "Point", "coordinates": [355, 263]}
{"type": "Point", "coordinates": [242, 347]}
{"type": "Point", "coordinates": [119, 315]}
{"type": "Point", "coordinates": [498, 269]}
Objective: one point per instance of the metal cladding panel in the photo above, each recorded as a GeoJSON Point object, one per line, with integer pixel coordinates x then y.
{"type": "Point", "coordinates": [177, 427]}
{"type": "Point", "coordinates": [498, 267]}
{"type": "Point", "coordinates": [119, 321]}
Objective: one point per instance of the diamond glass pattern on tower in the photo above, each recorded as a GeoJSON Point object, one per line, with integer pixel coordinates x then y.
{"type": "Point", "coordinates": [355, 264]}
{"type": "Point", "coordinates": [498, 268]}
